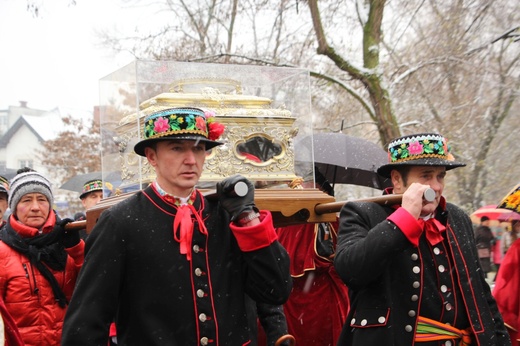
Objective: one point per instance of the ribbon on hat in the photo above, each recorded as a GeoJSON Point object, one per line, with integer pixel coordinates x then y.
{"type": "Point", "coordinates": [433, 229]}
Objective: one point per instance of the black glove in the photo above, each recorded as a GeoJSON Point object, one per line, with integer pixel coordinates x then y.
{"type": "Point", "coordinates": [233, 204]}
{"type": "Point", "coordinates": [70, 237]}
{"type": "Point", "coordinates": [324, 244]}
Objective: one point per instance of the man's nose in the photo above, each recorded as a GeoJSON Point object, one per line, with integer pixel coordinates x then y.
{"type": "Point", "coordinates": [436, 185]}
{"type": "Point", "coordinates": [190, 157]}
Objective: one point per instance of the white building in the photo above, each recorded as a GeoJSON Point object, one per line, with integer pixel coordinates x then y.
{"type": "Point", "coordinates": [22, 131]}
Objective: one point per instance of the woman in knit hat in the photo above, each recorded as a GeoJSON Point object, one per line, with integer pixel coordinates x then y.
{"type": "Point", "coordinates": [39, 261]}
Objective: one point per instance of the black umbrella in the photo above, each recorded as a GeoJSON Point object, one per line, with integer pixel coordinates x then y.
{"type": "Point", "coordinates": [344, 159]}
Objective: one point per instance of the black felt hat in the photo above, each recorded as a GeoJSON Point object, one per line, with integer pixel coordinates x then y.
{"type": "Point", "coordinates": [424, 149]}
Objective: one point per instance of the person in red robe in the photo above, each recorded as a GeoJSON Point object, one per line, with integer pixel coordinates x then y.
{"type": "Point", "coordinates": [507, 286]}
{"type": "Point", "coordinates": [318, 305]}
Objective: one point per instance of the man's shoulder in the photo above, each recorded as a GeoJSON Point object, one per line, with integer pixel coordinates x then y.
{"type": "Point", "coordinates": [483, 228]}
{"type": "Point", "coordinates": [458, 218]}
{"type": "Point", "coordinates": [454, 208]}
{"type": "Point", "coordinates": [370, 209]}
{"type": "Point", "coordinates": [128, 203]}
{"type": "Point", "coordinates": [455, 211]}
{"type": "Point", "coordinates": [363, 205]}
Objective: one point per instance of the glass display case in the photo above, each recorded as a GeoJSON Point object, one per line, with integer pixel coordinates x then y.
{"type": "Point", "coordinates": [264, 109]}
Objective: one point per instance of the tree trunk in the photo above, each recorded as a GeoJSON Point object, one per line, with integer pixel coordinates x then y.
{"type": "Point", "coordinates": [383, 116]}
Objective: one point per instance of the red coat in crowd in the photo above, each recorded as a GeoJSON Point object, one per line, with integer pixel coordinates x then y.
{"type": "Point", "coordinates": [318, 304]}
{"type": "Point", "coordinates": [10, 334]}
{"type": "Point", "coordinates": [507, 286]}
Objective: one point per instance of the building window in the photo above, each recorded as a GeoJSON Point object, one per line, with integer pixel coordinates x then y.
{"type": "Point", "coordinates": [26, 163]}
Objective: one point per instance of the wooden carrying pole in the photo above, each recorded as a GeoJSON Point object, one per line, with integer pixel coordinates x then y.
{"type": "Point", "coordinates": [335, 207]}
{"type": "Point", "coordinates": [287, 206]}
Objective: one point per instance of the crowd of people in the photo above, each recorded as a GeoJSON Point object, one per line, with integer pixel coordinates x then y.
{"type": "Point", "coordinates": [168, 266]}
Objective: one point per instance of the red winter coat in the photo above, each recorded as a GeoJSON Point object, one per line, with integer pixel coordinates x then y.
{"type": "Point", "coordinates": [506, 291]}
{"type": "Point", "coordinates": [28, 296]}
{"type": "Point", "coordinates": [10, 335]}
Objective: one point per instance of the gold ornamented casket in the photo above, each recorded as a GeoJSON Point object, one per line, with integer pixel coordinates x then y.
{"type": "Point", "coordinates": [258, 138]}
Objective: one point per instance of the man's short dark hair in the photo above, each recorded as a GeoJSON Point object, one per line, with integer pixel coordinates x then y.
{"type": "Point", "coordinates": [484, 218]}
{"type": "Point", "coordinates": [404, 171]}
{"type": "Point", "coordinates": [153, 146]}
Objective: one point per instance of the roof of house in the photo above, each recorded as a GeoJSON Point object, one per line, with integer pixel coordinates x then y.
{"type": "Point", "coordinates": [46, 126]}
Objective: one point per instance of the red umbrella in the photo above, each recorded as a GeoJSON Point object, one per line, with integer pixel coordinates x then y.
{"type": "Point", "coordinates": [490, 211]}
{"type": "Point", "coordinates": [508, 217]}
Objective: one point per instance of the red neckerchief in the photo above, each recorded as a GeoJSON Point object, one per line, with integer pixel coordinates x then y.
{"type": "Point", "coordinates": [183, 221]}
{"type": "Point", "coordinates": [433, 229]}
{"type": "Point", "coordinates": [431, 226]}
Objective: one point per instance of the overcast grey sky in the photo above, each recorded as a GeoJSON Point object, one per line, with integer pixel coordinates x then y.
{"type": "Point", "coordinates": [52, 60]}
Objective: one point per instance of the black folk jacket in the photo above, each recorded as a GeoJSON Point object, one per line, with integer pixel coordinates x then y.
{"type": "Point", "coordinates": [383, 271]}
{"type": "Point", "coordinates": [134, 273]}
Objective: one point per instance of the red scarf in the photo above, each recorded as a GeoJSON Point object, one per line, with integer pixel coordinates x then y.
{"type": "Point", "coordinates": [433, 229]}
{"type": "Point", "coordinates": [183, 222]}
{"type": "Point", "coordinates": [432, 226]}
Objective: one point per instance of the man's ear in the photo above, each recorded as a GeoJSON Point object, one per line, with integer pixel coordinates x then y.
{"type": "Point", "coordinates": [397, 180]}
{"type": "Point", "coordinates": [151, 156]}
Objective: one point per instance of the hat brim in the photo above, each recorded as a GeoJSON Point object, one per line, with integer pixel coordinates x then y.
{"type": "Point", "coordinates": [385, 170]}
{"type": "Point", "coordinates": [86, 193]}
{"type": "Point", "coordinates": [140, 146]}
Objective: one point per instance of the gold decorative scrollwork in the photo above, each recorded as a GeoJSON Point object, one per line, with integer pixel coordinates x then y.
{"type": "Point", "coordinates": [223, 85]}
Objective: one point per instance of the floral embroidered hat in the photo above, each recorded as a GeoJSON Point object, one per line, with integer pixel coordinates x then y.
{"type": "Point", "coordinates": [91, 186]}
{"type": "Point", "coordinates": [424, 149]}
{"type": "Point", "coordinates": [4, 185]}
{"type": "Point", "coordinates": [97, 185]}
{"type": "Point", "coordinates": [180, 123]}
{"type": "Point", "coordinates": [512, 200]}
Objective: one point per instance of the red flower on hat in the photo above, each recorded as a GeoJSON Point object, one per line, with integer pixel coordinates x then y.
{"type": "Point", "coordinates": [415, 148]}
{"type": "Point", "coordinates": [200, 123]}
{"type": "Point", "coordinates": [161, 125]}
{"type": "Point", "coordinates": [215, 130]}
